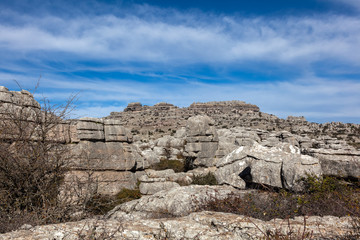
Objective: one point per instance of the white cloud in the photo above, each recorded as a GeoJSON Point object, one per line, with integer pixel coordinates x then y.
{"type": "Point", "coordinates": [315, 98]}
{"type": "Point", "coordinates": [188, 39]}
{"type": "Point", "coordinates": [318, 99]}
{"type": "Point", "coordinates": [122, 43]}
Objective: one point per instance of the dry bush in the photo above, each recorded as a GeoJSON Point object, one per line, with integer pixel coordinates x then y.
{"type": "Point", "coordinates": [101, 204]}
{"type": "Point", "coordinates": [176, 165]}
{"type": "Point", "coordinates": [208, 179]}
{"type": "Point", "coordinates": [327, 196]}
{"type": "Point", "coordinates": [32, 163]}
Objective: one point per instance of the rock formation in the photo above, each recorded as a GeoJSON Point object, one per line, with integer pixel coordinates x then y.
{"type": "Point", "coordinates": [281, 167]}
{"type": "Point", "coordinates": [233, 140]}
{"type": "Point", "coordinates": [164, 119]}
{"type": "Point", "coordinates": [198, 225]}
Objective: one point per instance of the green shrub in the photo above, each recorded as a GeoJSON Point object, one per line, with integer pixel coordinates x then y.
{"type": "Point", "coordinates": [126, 195]}
{"type": "Point", "coordinates": [101, 204]}
{"type": "Point", "coordinates": [176, 165]}
{"type": "Point", "coordinates": [208, 179]}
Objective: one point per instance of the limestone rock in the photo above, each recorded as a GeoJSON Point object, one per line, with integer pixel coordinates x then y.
{"type": "Point", "coordinates": [229, 114]}
{"type": "Point", "coordinates": [150, 157]}
{"type": "Point", "coordinates": [104, 156]}
{"type": "Point", "coordinates": [341, 163]}
{"type": "Point", "coordinates": [204, 152]}
{"type": "Point", "coordinates": [135, 106]}
{"type": "Point", "coordinates": [155, 181]}
{"type": "Point", "coordinates": [177, 201]}
{"type": "Point", "coordinates": [230, 139]}
{"type": "Point", "coordinates": [201, 125]}
{"type": "Point", "coordinates": [90, 129]}
{"type": "Point", "coordinates": [199, 225]}
{"type": "Point", "coordinates": [170, 142]}
{"type": "Point", "coordinates": [115, 132]}
{"type": "Point", "coordinates": [281, 167]}
{"type": "Point", "coordinates": [201, 140]}
{"type": "Point", "coordinates": [101, 182]}
{"type": "Point", "coordinates": [22, 98]}
{"type": "Point", "coordinates": [149, 188]}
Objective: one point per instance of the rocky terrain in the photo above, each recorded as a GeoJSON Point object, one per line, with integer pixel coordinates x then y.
{"type": "Point", "coordinates": [164, 118]}
{"type": "Point", "coordinates": [235, 142]}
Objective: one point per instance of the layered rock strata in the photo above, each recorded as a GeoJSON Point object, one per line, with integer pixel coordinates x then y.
{"type": "Point", "coordinates": [104, 148]}
{"type": "Point", "coordinates": [233, 140]}
{"type": "Point", "coordinates": [155, 121]}
{"type": "Point", "coordinates": [281, 167]}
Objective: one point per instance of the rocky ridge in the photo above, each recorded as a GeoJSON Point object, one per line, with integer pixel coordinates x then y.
{"type": "Point", "coordinates": [164, 119]}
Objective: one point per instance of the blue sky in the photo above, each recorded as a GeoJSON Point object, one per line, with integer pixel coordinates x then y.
{"type": "Point", "coordinates": [293, 57]}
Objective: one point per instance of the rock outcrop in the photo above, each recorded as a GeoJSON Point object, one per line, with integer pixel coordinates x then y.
{"type": "Point", "coordinates": [281, 167]}
{"type": "Point", "coordinates": [198, 225]}
{"type": "Point", "coordinates": [201, 141]}
{"type": "Point", "coordinates": [155, 121]}
{"type": "Point", "coordinates": [233, 140]}
{"type": "Point", "coordinates": [104, 148]}
{"type": "Point", "coordinates": [178, 201]}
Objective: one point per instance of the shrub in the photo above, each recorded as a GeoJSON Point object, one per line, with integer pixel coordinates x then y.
{"type": "Point", "coordinates": [101, 204]}
{"type": "Point", "coordinates": [32, 163]}
{"type": "Point", "coordinates": [126, 195]}
{"type": "Point", "coordinates": [328, 196]}
{"type": "Point", "coordinates": [208, 179]}
{"type": "Point", "coordinates": [176, 165]}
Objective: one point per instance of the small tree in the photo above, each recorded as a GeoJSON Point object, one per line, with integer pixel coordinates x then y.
{"type": "Point", "coordinates": [33, 159]}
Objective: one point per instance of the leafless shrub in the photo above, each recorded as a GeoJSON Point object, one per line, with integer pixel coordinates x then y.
{"type": "Point", "coordinates": [99, 230]}
{"type": "Point", "coordinates": [32, 161]}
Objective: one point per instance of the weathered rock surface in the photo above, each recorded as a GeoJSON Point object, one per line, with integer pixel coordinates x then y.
{"type": "Point", "coordinates": [149, 188]}
{"type": "Point", "coordinates": [115, 132]}
{"type": "Point", "coordinates": [104, 156]}
{"type": "Point", "coordinates": [201, 140]}
{"type": "Point", "coordinates": [281, 166]}
{"type": "Point", "coordinates": [22, 98]}
{"type": "Point", "coordinates": [155, 181]}
{"type": "Point", "coordinates": [233, 140]}
{"type": "Point", "coordinates": [100, 182]}
{"type": "Point", "coordinates": [177, 201]}
{"type": "Point", "coordinates": [158, 122]}
{"type": "Point", "coordinates": [90, 129]}
{"type": "Point", "coordinates": [199, 225]}
{"type": "Point", "coordinates": [109, 130]}
{"type": "Point", "coordinates": [342, 163]}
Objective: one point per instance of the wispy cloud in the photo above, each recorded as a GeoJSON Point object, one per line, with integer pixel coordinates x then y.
{"type": "Point", "coordinates": [316, 98]}
{"type": "Point", "coordinates": [157, 49]}
{"type": "Point", "coordinates": [187, 39]}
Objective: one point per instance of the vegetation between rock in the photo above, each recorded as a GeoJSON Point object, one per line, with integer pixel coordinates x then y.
{"type": "Point", "coordinates": [101, 204]}
{"type": "Point", "coordinates": [208, 179]}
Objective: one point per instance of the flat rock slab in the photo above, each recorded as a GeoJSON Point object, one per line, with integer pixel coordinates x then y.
{"type": "Point", "coordinates": [178, 201]}
{"type": "Point", "coordinates": [199, 225]}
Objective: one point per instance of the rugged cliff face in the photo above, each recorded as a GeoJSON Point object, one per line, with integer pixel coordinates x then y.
{"type": "Point", "coordinates": [235, 142]}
